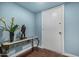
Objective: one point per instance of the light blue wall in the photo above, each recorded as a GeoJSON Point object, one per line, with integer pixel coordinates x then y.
{"type": "Point", "coordinates": [22, 16]}
{"type": "Point", "coordinates": [38, 25]}
{"type": "Point", "coordinates": [71, 21]}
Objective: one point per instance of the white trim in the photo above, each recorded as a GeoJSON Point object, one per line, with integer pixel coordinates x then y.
{"type": "Point", "coordinates": [66, 54]}
{"type": "Point", "coordinates": [18, 53]}
{"type": "Point", "coordinates": [70, 55]}
{"type": "Point", "coordinates": [42, 27]}
{"type": "Point", "coordinates": [63, 28]}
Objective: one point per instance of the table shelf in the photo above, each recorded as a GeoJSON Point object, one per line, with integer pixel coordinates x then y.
{"type": "Point", "coordinates": [6, 45]}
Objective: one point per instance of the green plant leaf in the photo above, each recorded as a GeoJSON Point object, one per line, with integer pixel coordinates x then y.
{"type": "Point", "coordinates": [12, 22]}
{"type": "Point", "coordinates": [10, 28]}
{"type": "Point", "coordinates": [3, 21]}
{"type": "Point", "coordinates": [15, 27]}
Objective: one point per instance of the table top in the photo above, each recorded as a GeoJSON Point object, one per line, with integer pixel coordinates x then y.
{"type": "Point", "coordinates": [14, 42]}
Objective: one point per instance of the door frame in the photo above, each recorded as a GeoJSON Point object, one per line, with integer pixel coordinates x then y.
{"type": "Point", "coordinates": [63, 27]}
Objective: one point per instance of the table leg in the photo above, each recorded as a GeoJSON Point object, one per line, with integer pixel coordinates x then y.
{"type": "Point", "coordinates": [32, 45]}
{"type": "Point", "coordinates": [37, 43]}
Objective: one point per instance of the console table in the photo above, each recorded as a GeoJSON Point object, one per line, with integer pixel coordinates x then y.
{"type": "Point", "coordinates": [7, 45]}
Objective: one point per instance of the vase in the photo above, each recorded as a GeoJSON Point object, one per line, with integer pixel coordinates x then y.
{"type": "Point", "coordinates": [11, 36]}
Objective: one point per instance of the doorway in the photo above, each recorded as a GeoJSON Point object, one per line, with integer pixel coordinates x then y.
{"type": "Point", "coordinates": [53, 29]}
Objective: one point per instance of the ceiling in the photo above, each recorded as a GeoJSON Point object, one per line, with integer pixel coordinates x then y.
{"type": "Point", "coordinates": [38, 6]}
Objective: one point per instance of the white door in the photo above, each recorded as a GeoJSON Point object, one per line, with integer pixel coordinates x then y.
{"type": "Point", "coordinates": [53, 29]}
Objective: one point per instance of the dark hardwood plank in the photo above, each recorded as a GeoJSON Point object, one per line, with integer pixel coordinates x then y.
{"type": "Point", "coordinates": [41, 53]}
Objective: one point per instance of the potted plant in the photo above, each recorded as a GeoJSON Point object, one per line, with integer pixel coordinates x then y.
{"type": "Point", "coordinates": [10, 28]}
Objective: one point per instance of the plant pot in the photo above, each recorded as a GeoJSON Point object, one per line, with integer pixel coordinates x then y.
{"type": "Point", "coordinates": [11, 36]}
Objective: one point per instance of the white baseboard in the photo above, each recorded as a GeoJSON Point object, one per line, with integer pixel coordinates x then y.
{"type": "Point", "coordinates": [14, 55]}
{"type": "Point", "coordinates": [70, 55]}
{"type": "Point", "coordinates": [40, 46]}
{"type": "Point", "coordinates": [67, 54]}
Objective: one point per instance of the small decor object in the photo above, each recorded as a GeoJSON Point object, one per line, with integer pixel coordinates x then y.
{"type": "Point", "coordinates": [23, 29]}
{"type": "Point", "coordinates": [11, 29]}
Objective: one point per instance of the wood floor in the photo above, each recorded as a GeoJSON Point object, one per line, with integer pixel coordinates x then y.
{"type": "Point", "coordinates": [41, 53]}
